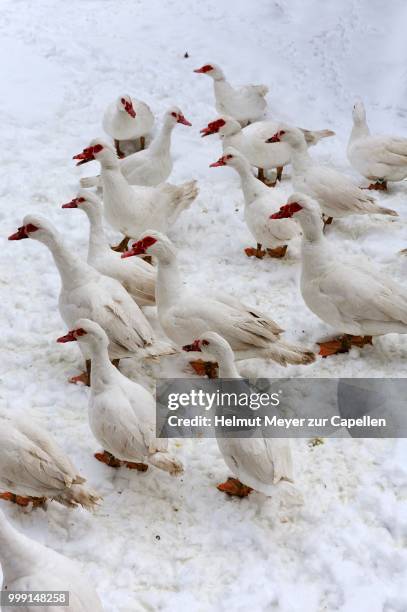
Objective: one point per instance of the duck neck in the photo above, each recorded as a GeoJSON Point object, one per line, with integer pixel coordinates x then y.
{"type": "Point", "coordinates": [72, 270]}
{"type": "Point", "coordinates": [313, 240]}
{"type": "Point", "coordinates": [102, 372]}
{"type": "Point", "coordinates": [360, 129]}
{"type": "Point", "coordinates": [227, 368]}
{"type": "Point", "coordinates": [252, 188]}
{"type": "Point", "coordinates": [300, 158]}
{"type": "Point", "coordinates": [17, 553]}
{"type": "Point", "coordinates": [162, 142]}
{"type": "Point", "coordinates": [169, 284]}
{"type": "Point", "coordinates": [98, 244]}
{"type": "Point", "coordinates": [114, 183]}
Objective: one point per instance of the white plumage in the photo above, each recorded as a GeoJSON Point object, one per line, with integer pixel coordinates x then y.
{"type": "Point", "coordinates": [30, 566]}
{"type": "Point", "coordinates": [335, 192]}
{"type": "Point", "coordinates": [184, 315]}
{"type": "Point", "coordinates": [127, 119]}
{"type": "Point", "coordinates": [33, 465]}
{"type": "Point", "coordinates": [378, 158]}
{"type": "Point", "coordinates": [132, 209]}
{"type": "Point", "coordinates": [137, 276]}
{"type": "Point", "coordinates": [246, 104]}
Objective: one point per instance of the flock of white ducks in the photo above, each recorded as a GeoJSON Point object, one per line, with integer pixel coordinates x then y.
{"type": "Point", "coordinates": [101, 299]}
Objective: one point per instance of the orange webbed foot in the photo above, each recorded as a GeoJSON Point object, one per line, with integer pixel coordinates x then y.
{"type": "Point", "coordinates": [233, 486]}
{"type": "Point", "coordinates": [23, 501]}
{"type": "Point", "coordinates": [108, 459]}
{"type": "Point", "coordinates": [252, 252]}
{"type": "Point", "coordinates": [140, 467]}
{"type": "Point", "coordinates": [204, 368]}
{"type": "Point", "coordinates": [83, 379]}
{"type": "Point", "coordinates": [278, 252]}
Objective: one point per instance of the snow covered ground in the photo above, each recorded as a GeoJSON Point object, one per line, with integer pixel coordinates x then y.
{"type": "Point", "coordinates": [159, 543]}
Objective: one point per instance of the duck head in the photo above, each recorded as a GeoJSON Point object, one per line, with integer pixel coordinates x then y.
{"type": "Point", "coordinates": [98, 149]}
{"type": "Point", "coordinates": [125, 104]}
{"type": "Point", "coordinates": [211, 70]}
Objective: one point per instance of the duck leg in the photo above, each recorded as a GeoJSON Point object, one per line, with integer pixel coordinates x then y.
{"type": "Point", "coordinates": [205, 368]}
{"type": "Point", "coordinates": [279, 173]}
{"type": "Point", "coordinates": [140, 467]}
{"type": "Point", "coordinates": [122, 246]}
{"type": "Point", "coordinates": [142, 143]}
{"type": "Point", "coordinates": [119, 152]}
{"type": "Point", "coordinates": [343, 344]}
{"type": "Point", "coordinates": [252, 252]}
{"type": "Point", "coordinates": [233, 486]}
{"type": "Point", "coordinates": [378, 186]}
{"type": "Point", "coordinates": [261, 175]}
{"type": "Point", "coordinates": [23, 501]}
{"type": "Point", "coordinates": [83, 378]}
{"type": "Point", "coordinates": [327, 220]}
{"type": "Point", "coordinates": [278, 252]}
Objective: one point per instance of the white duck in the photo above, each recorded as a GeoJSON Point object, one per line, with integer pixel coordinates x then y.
{"type": "Point", "coordinates": [260, 203]}
{"type": "Point", "coordinates": [121, 412]}
{"type": "Point", "coordinates": [137, 276]}
{"type": "Point", "coordinates": [34, 468]}
{"type": "Point", "coordinates": [132, 209]}
{"type": "Point", "coordinates": [377, 158]}
{"type": "Point", "coordinates": [250, 141]}
{"type": "Point", "coordinates": [87, 293]}
{"type": "Point", "coordinates": [261, 464]}
{"type": "Point", "coordinates": [246, 104]}
{"type": "Point", "coordinates": [128, 119]}
{"type": "Point", "coordinates": [30, 566]}
{"type": "Point", "coordinates": [335, 192]}
{"type": "Point", "coordinates": [184, 315]}
{"type": "Point", "coordinates": [151, 166]}
{"type": "Point", "coordinates": [350, 295]}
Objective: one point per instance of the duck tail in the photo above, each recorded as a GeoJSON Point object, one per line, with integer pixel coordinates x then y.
{"type": "Point", "coordinates": [77, 495]}
{"type": "Point", "coordinates": [167, 462]}
{"type": "Point", "coordinates": [313, 137]}
{"type": "Point", "coordinates": [285, 353]}
{"type": "Point", "coordinates": [184, 195]}
{"type": "Point", "coordinates": [387, 211]}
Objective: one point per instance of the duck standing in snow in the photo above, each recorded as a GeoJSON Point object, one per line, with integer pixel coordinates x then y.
{"type": "Point", "coordinates": [336, 194]}
{"type": "Point", "coordinates": [378, 158]}
{"type": "Point", "coordinates": [246, 104]}
{"type": "Point", "coordinates": [30, 566]}
{"type": "Point", "coordinates": [260, 203]}
{"type": "Point", "coordinates": [250, 141]}
{"type": "Point", "coordinates": [184, 315]}
{"type": "Point", "coordinates": [128, 119]}
{"type": "Point", "coordinates": [136, 275]}
{"type": "Point", "coordinates": [261, 464]}
{"type": "Point", "coordinates": [33, 468]}
{"type": "Point", "coordinates": [87, 293]}
{"type": "Point", "coordinates": [151, 166]}
{"type": "Point", "coordinates": [351, 296]}
{"type": "Point", "coordinates": [131, 209]}
{"type": "Point", "coordinates": [121, 412]}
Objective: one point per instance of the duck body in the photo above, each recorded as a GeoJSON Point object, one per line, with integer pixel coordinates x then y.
{"type": "Point", "coordinates": [251, 141]}
{"type": "Point", "coordinates": [380, 158]}
{"type": "Point", "coordinates": [131, 209]}
{"type": "Point", "coordinates": [135, 275]}
{"type": "Point", "coordinates": [119, 122]}
{"type": "Point", "coordinates": [258, 463]}
{"type": "Point", "coordinates": [336, 194]}
{"type": "Point", "coordinates": [85, 293]}
{"type": "Point", "coordinates": [246, 104]}
{"type": "Point", "coordinates": [260, 203]}
{"type": "Point", "coordinates": [351, 296]}
{"type": "Point", "coordinates": [30, 566]}
{"type": "Point", "coordinates": [121, 411]}
{"type": "Point", "coordinates": [184, 315]}
{"type": "Point", "coordinates": [33, 465]}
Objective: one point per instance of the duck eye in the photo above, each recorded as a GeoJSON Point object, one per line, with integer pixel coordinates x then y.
{"type": "Point", "coordinates": [123, 101]}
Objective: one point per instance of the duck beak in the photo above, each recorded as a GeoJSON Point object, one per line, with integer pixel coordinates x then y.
{"type": "Point", "coordinates": [274, 138]}
{"type": "Point", "coordinates": [181, 119]}
{"type": "Point", "coordinates": [194, 347]}
{"type": "Point", "coordinates": [19, 234]}
{"type": "Point", "coordinates": [138, 248]}
{"type": "Point", "coordinates": [69, 337]}
{"type": "Point", "coordinates": [72, 204]}
{"type": "Point", "coordinates": [220, 162]}
{"type": "Point", "coordinates": [84, 157]}
{"type": "Point", "coordinates": [206, 132]}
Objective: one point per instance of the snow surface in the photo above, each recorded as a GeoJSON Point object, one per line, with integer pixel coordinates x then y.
{"type": "Point", "coordinates": [159, 543]}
